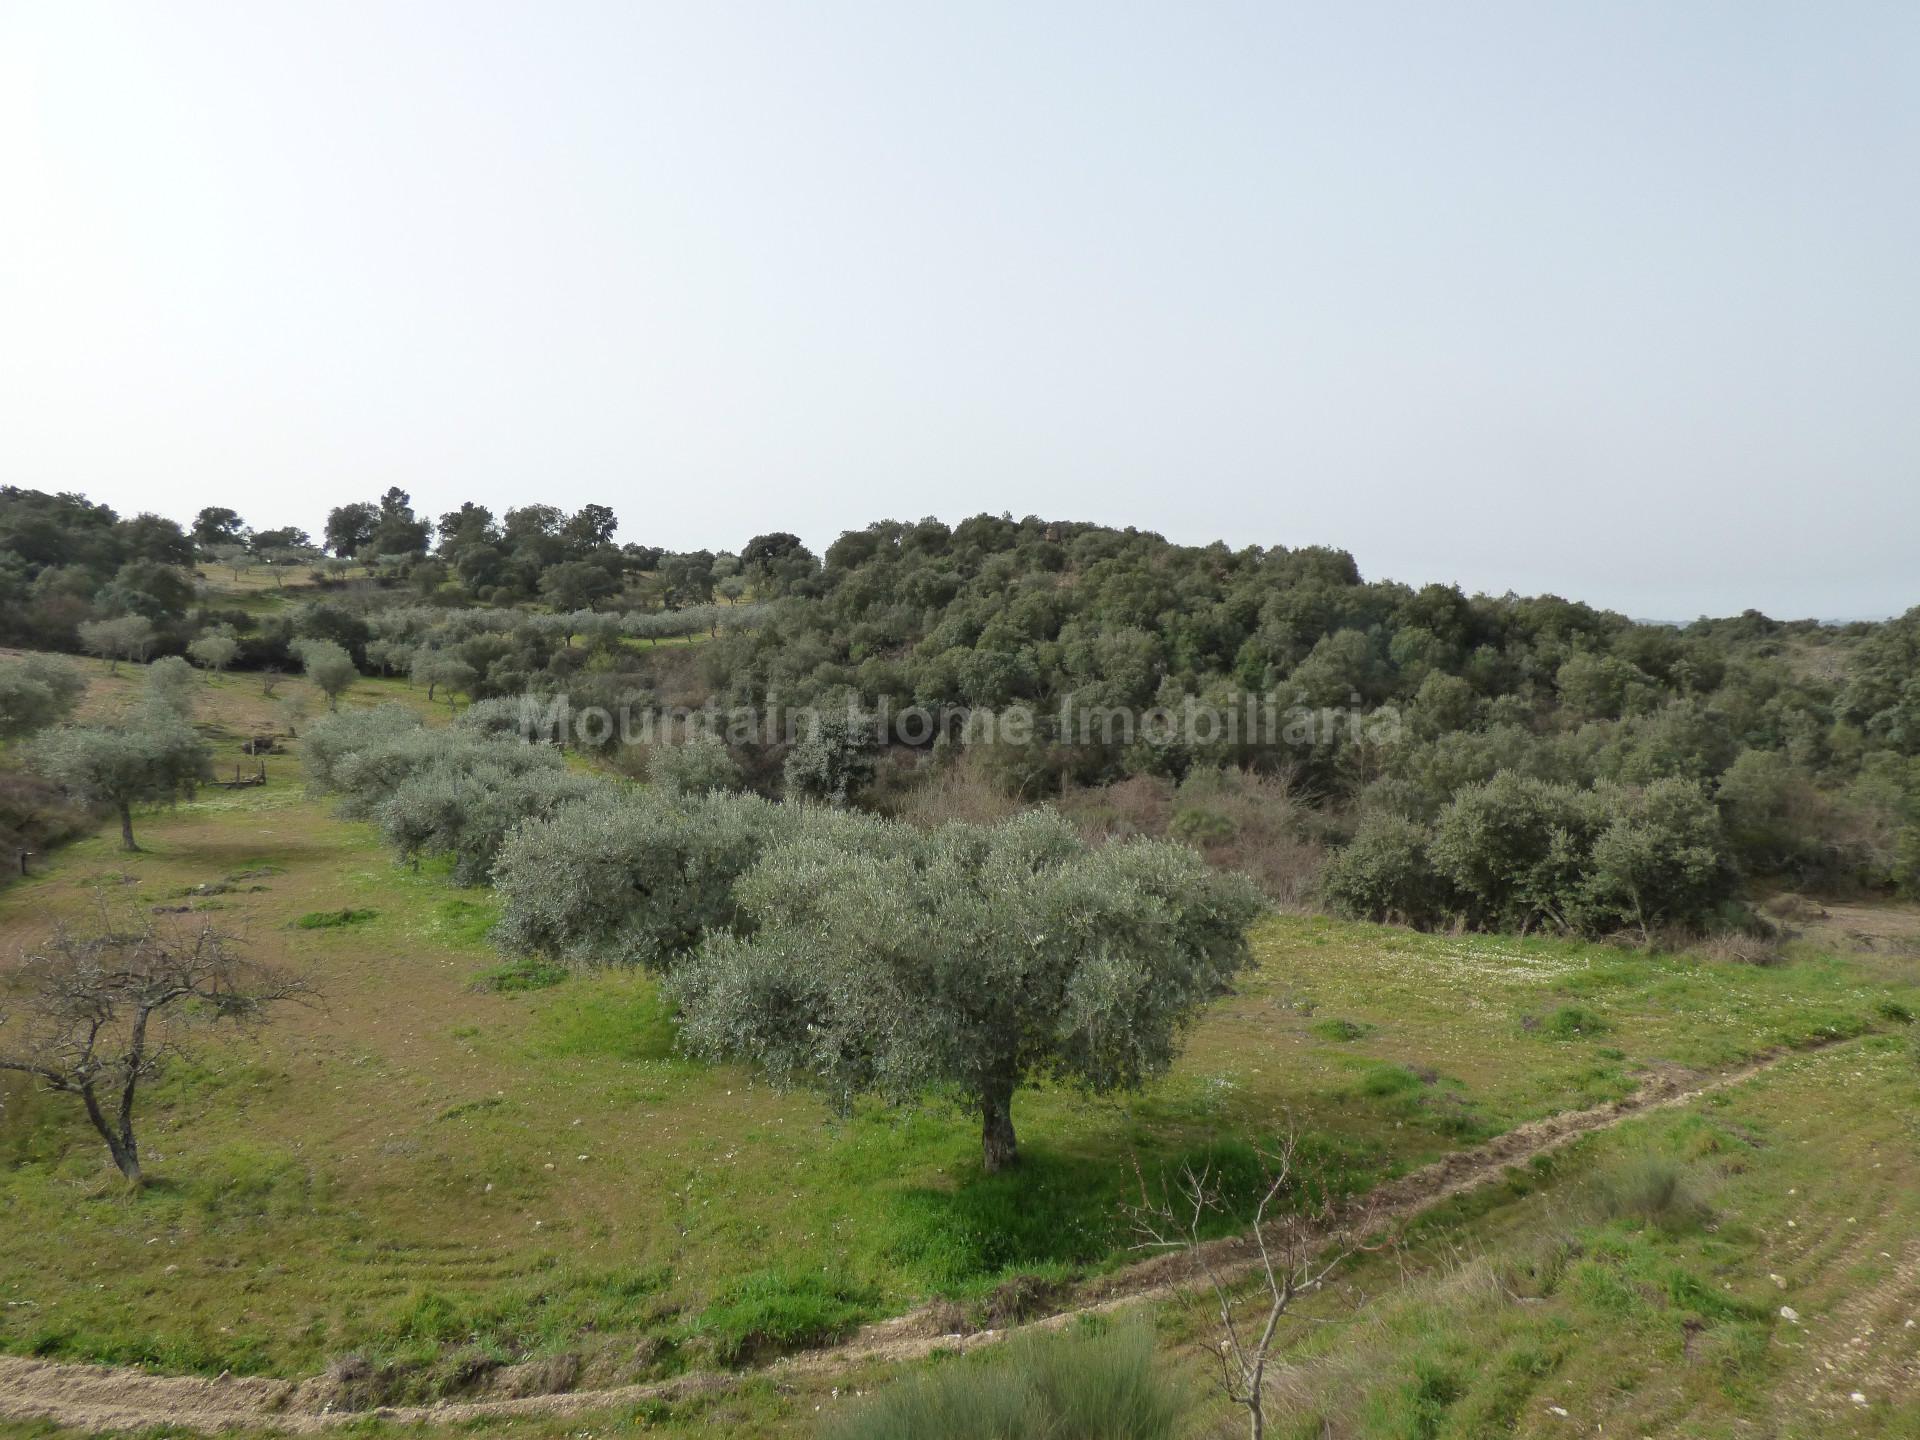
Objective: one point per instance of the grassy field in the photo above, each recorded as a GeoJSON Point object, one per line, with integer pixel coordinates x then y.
{"type": "Point", "coordinates": [439, 1169]}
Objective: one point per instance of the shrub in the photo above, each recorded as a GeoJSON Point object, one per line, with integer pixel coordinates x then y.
{"type": "Point", "coordinates": [521, 975]}
{"type": "Point", "coordinates": [1385, 873]}
{"type": "Point", "coordinates": [1514, 851]}
{"type": "Point", "coordinates": [1571, 1022]}
{"type": "Point", "coordinates": [36, 691]}
{"type": "Point", "coordinates": [172, 682]}
{"type": "Point", "coordinates": [466, 802]}
{"type": "Point", "coordinates": [333, 739]}
{"type": "Point", "coordinates": [832, 760]}
{"type": "Point", "coordinates": [1100, 1384]}
{"type": "Point", "coordinates": [1660, 859]}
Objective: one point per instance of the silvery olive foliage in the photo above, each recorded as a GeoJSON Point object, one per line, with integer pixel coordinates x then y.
{"type": "Point", "coordinates": [172, 682]}
{"type": "Point", "coordinates": [700, 766]}
{"type": "Point", "coordinates": [501, 716]}
{"type": "Point", "coordinates": [830, 948]}
{"type": "Point", "coordinates": [967, 961]}
{"type": "Point", "coordinates": [440, 670]}
{"type": "Point", "coordinates": [214, 649]}
{"type": "Point", "coordinates": [37, 691]}
{"type": "Point", "coordinates": [631, 879]}
{"type": "Point", "coordinates": [466, 808]}
{"type": "Point", "coordinates": [368, 760]}
{"type": "Point", "coordinates": [328, 666]}
{"type": "Point", "coordinates": [124, 637]}
{"type": "Point", "coordinates": [149, 756]}
{"type": "Point", "coordinates": [333, 739]}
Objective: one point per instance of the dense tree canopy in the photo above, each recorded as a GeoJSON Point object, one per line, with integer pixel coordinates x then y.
{"type": "Point", "coordinates": [1800, 735]}
{"type": "Point", "coordinates": [966, 962]}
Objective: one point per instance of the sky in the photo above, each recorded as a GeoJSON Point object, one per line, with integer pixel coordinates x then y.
{"type": "Point", "coordinates": [1615, 300]}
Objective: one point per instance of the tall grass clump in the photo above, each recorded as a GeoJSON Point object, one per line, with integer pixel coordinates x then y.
{"type": "Point", "coordinates": [1652, 1190]}
{"type": "Point", "coordinates": [1082, 1385]}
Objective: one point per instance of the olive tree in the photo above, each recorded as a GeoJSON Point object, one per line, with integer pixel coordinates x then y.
{"type": "Point", "coordinates": [500, 717]}
{"type": "Point", "coordinates": [442, 670]}
{"type": "Point", "coordinates": [36, 691]}
{"type": "Point", "coordinates": [466, 809]}
{"type": "Point", "coordinates": [171, 682]}
{"type": "Point", "coordinates": [966, 962]}
{"type": "Point", "coordinates": [330, 667]}
{"type": "Point", "coordinates": [630, 879]}
{"type": "Point", "coordinates": [100, 1014]}
{"type": "Point", "coordinates": [333, 740]}
{"type": "Point", "coordinates": [125, 637]}
{"type": "Point", "coordinates": [152, 756]}
{"type": "Point", "coordinates": [700, 766]}
{"type": "Point", "coordinates": [214, 649]}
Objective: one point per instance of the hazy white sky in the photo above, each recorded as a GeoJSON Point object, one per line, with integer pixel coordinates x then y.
{"type": "Point", "coordinates": [1618, 300]}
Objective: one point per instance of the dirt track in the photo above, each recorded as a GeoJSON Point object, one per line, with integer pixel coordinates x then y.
{"type": "Point", "coordinates": [89, 1397]}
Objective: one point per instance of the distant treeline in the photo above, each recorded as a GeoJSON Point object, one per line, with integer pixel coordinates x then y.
{"type": "Point", "coordinates": [1546, 764]}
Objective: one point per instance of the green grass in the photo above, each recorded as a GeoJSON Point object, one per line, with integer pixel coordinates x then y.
{"type": "Point", "coordinates": [1634, 1284]}
{"type": "Point", "coordinates": [334, 919]}
{"type": "Point", "coordinates": [1091, 1381]}
{"type": "Point", "coordinates": [427, 1164]}
{"type": "Point", "coordinates": [772, 1311]}
{"type": "Point", "coordinates": [522, 974]}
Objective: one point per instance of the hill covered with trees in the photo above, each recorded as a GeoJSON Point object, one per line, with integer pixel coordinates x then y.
{"type": "Point", "coordinates": [1506, 761]}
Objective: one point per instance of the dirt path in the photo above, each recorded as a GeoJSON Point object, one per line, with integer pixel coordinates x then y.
{"type": "Point", "coordinates": [91, 1397]}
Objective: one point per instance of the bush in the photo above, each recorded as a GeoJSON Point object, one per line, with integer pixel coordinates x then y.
{"type": "Point", "coordinates": [1384, 873]}
{"type": "Point", "coordinates": [465, 806]}
{"type": "Point", "coordinates": [1086, 1384]}
{"type": "Point", "coordinates": [832, 760]}
{"type": "Point", "coordinates": [1515, 853]}
{"type": "Point", "coordinates": [1514, 850]}
{"type": "Point", "coordinates": [333, 739]}
{"type": "Point", "coordinates": [36, 691]}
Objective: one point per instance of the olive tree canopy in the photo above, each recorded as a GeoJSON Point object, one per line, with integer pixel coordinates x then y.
{"type": "Point", "coordinates": [329, 666]}
{"type": "Point", "coordinates": [151, 756]}
{"type": "Point", "coordinates": [36, 691]}
{"type": "Point", "coordinates": [968, 962]}
{"type": "Point", "coordinates": [125, 637]}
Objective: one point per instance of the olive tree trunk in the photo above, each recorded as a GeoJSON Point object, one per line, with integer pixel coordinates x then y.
{"type": "Point", "coordinates": [999, 1146]}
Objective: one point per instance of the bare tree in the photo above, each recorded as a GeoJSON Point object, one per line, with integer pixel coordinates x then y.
{"type": "Point", "coordinates": [102, 1012]}
{"type": "Point", "coordinates": [1295, 1239]}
